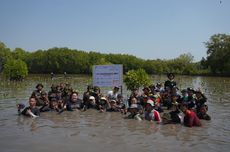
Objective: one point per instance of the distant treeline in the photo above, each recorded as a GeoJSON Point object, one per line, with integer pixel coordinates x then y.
{"type": "Point", "coordinates": [60, 60]}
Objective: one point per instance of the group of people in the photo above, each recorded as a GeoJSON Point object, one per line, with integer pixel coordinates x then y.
{"type": "Point", "coordinates": [163, 102]}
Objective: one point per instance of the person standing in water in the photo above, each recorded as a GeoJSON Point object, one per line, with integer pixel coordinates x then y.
{"type": "Point", "coordinates": [37, 94]}
{"type": "Point", "coordinates": [31, 110]}
{"type": "Point", "coordinates": [170, 83]}
{"type": "Point", "coordinates": [112, 95]}
{"type": "Point", "coordinates": [190, 118]}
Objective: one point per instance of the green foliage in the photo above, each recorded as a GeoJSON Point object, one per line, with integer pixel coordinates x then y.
{"type": "Point", "coordinates": [15, 69]}
{"type": "Point", "coordinates": [181, 65]}
{"type": "Point", "coordinates": [134, 79]}
{"type": "Point", "coordinates": [5, 55]}
{"type": "Point", "coordinates": [218, 54]}
{"type": "Point", "coordinates": [19, 53]}
{"type": "Point", "coordinates": [60, 60]}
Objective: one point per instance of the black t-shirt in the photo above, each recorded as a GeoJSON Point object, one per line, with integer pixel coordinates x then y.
{"type": "Point", "coordinates": [35, 111]}
{"type": "Point", "coordinates": [74, 105]}
{"type": "Point", "coordinates": [175, 117]}
{"type": "Point", "coordinates": [200, 102]}
{"type": "Point", "coordinates": [170, 84]}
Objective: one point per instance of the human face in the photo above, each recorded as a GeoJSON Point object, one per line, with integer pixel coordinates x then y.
{"type": "Point", "coordinates": [54, 104]}
{"type": "Point", "coordinates": [133, 110]}
{"type": "Point", "coordinates": [62, 85]}
{"type": "Point", "coordinates": [92, 101]}
{"type": "Point", "coordinates": [39, 87]}
{"type": "Point", "coordinates": [32, 102]}
{"type": "Point", "coordinates": [174, 98]}
{"type": "Point", "coordinates": [198, 95]}
{"type": "Point", "coordinates": [171, 77]}
{"type": "Point", "coordinates": [184, 94]}
{"type": "Point", "coordinates": [116, 90]}
{"type": "Point", "coordinates": [133, 101]}
{"type": "Point", "coordinates": [97, 91]}
{"type": "Point", "coordinates": [112, 104]}
{"type": "Point", "coordinates": [203, 110]}
{"type": "Point", "coordinates": [183, 109]}
{"type": "Point", "coordinates": [190, 93]}
{"type": "Point", "coordinates": [148, 108]}
{"type": "Point", "coordinates": [74, 97]}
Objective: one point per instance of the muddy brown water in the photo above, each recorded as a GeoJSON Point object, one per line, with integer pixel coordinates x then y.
{"type": "Point", "coordinates": [93, 131]}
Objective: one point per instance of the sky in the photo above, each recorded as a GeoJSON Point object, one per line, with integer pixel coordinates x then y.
{"type": "Point", "coordinates": [148, 29]}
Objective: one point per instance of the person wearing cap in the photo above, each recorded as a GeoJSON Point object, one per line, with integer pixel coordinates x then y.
{"type": "Point", "coordinates": [190, 118]}
{"type": "Point", "coordinates": [134, 111]}
{"type": "Point", "coordinates": [74, 102]}
{"type": "Point", "coordinates": [97, 94]}
{"type": "Point", "coordinates": [157, 102]}
{"type": "Point", "coordinates": [32, 110]}
{"type": "Point", "coordinates": [200, 99]}
{"type": "Point", "coordinates": [37, 94]}
{"type": "Point", "coordinates": [170, 83]}
{"type": "Point", "coordinates": [89, 104]}
{"type": "Point", "coordinates": [112, 106]}
{"type": "Point", "coordinates": [191, 99]}
{"type": "Point", "coordinates": [103, 104]}
{"type": "Point", "coordinates": [112, 95]}
{"type": "Point", "coordinates": [150, 113]}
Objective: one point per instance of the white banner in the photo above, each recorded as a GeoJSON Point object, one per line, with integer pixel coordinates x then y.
{"type": "Point", "coordinates": [108, 75]}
